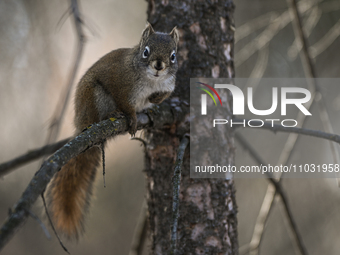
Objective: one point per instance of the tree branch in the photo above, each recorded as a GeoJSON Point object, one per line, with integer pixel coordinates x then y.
{"type": "Point", "coordinates": [310, 72]}
{"type": "Point", "coordinates": [64, 98]}
{"type": "Point", "coordinates": [31, 155]}
{"type": "Point", "coordinates": [302, 131]}
{"type": "Point", "coordinates": [156, 117]}
{"type": "Point", "coordinates": [279, 191]}
{"type": "Point", "coordinates": [300, 34]}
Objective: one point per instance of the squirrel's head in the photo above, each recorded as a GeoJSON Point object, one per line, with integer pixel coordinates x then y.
{"type": "Point", "coordinates": [157, 52]}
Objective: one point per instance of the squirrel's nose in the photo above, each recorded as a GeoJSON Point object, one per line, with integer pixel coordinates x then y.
{"type": "Point", "coordinates": [158, 65]}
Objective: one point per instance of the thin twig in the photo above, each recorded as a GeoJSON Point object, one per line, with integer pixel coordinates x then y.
{"type": "Point", "coordinates": [65, 95]}
{"type": "Point", "coordinates": [329, 38]}
{"type": "Point", "coordinates": [302, 131]}
{"type": "Point", "coordinates": [140, 232]}
{"type": "Point", "coordinates": [255, 24]}
{"type": "Point", "coordinates": [103, 161]}
{"type": "Point", "coordinates": [63, 18]}
{"type": "Point", "coordinates": [8, 166]}
{"type": "Point", "coordinates": [176, 188]}
{"type": "Point", "coordinates": [310, 72]}
{"type": "Point", "coordinates": [263, 39]}
{"type": "Point", "coordinates": [141, 140]}
{"type": "Point", "coordinates": [298, 29]}
{"type": "Point", "coordinates": [268, 200]}
{"type": "Point", "coordinates": [278, 189]}
{"type": "Point", "coordinates": [291, 141]}
{"type": "Point", "coordinates": [35, 217]}
{"type": "Point", "coordinates": [246, 146]}
{"type": "Point", "coordinates": [63, 100]}
{"type": "Point", "coordinates": [310, 23]}
{"type": "Point", "coordinates": [50, 220]}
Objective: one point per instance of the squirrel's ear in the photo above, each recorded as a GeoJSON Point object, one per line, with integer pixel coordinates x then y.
{"type": "Point", "coordinates": [174, 34]}
{"type": "Point", "coordinates": [147, 31]}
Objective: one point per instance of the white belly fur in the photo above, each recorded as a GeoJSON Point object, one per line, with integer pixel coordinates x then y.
{"type": "Point", "coordinates": [150, 86]}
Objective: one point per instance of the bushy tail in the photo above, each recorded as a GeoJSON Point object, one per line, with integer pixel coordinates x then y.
{"type": "Point", "coordinates": [70, 192]}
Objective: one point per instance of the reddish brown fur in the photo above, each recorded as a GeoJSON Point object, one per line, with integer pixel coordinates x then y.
{"type": "Point", "coordinates": [70, 192]}
{"type": "Point", "coordinates": [109, 73]}
{"type": "Point", "coordinates": [112, 85]}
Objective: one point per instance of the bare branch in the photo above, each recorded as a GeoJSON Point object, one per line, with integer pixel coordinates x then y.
{"type": "Point", "coordinates": [65, 95]}
{"type": "Point", "coordinates": [36, 218]}
{"type": "Point", "coordinates": [300, 34]}
{"type": "Point", "coordinates": [291, 141]}
{"type": "Point", "coordinates": [51, 223]}
{"type": "Point", "coordinates": [144, 143]}
{"type": "Point", "coordinates": [7, 167]}
{"type": "Point", "coordinates": [323, 44]}
{"type": "Point", "coordinates": [262, 39]}
{"type": "Point", "coordinates": [156, 117]}
{"type": "Point", "coordinates": [302, 131]}
{"type": "Point", "coordinates": [176, 188]}
{"type": "Point", "coordinates": [254, 25]}
{"type": "Point", "coordinates": [279, 190]}
{"type": "Point", "coordinates": [275, 25]}
{"type": "Point", "coordinates": [311, 21]}
{"type": "Point", "coordinates": [310, 71]}
{"type": "Point", "coordinates": [103, 161]}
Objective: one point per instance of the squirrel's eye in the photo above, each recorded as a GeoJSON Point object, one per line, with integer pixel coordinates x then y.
{"type": "Point", "coordinates": [146, 52]}
{"type": "Point", "coordinates": [173, 57]}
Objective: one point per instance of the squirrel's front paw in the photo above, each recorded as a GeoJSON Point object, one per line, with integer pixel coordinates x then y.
{"type": "Point", "coordinates": [158, 97]}
{"type": "Point", "coordinates": [132, 121]}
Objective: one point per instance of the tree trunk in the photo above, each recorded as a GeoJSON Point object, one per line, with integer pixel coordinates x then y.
{"type": "Point", "coordinates": [207, 223]}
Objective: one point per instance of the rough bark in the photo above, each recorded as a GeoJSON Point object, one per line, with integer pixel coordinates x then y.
{"type": "Point", "coordinates": [207, 223]}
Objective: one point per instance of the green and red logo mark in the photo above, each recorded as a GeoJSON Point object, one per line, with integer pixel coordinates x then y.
{"type": "Point", "coordinates": [204, 97]}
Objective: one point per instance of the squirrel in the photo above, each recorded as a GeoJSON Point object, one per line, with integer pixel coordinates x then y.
{"type": "Point", "coordinates": [123, 82]}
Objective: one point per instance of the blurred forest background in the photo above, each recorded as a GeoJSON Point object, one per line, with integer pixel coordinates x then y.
{"type": "Point", "coordinates": [36, 53]}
